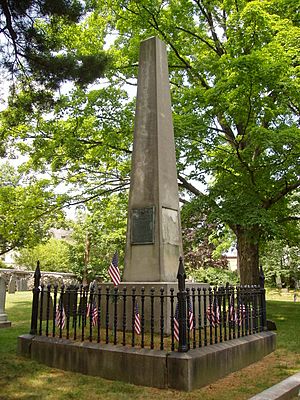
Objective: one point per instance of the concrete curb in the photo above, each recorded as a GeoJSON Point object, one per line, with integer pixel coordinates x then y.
{"type": "Point", "coordinates": [284, 390]}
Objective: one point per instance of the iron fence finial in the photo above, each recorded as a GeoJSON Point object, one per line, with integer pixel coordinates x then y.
{"type": "Point", "coordinates": [181, 276]}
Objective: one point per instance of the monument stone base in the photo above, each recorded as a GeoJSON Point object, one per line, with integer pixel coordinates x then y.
{"type": "Point", "coordinates": [162, 369]}
{"type": "Point", "coordinates": [160, 303]}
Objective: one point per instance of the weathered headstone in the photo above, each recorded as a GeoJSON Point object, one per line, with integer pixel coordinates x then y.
{"type": "Point", "coordinates": [12, 285]}
{"type": "Point", "coordinates": [154, 243]}
{"type": "Point", "coordinates": [70, 299]}
{"type": "Point", "coordinates": [278, 281]}
{"type": "Point", "coordinates": [23, 285]}
{"type": "Point", "coordinates": [4, 323]}
{"type": "Point", "coordinates": [46, 307]}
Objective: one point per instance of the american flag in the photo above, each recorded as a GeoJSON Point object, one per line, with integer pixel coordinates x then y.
{"type": "Point", "coordinates": [176, 323]}
{"type": "Point", "coordinates": [137, 320]}
{"type": "Point", "coordinates": [213, 316]}
{"type": "Point", "coordinates": [94, 312]}
{"type": "Point", "coordinates": [232, 313]}
{"type": "Point", "coordinates": [242, 313]}
{"type": "Point", "coordinates": [114, 271]}
{"type": "Point", "coordinates": [191, 316]}
{"type": "Point", "coordinates": [176, 320]}
{"type": "Point", "coordinates": [237, 315]}
{"type": "Point", "coordinates": [60, 316]}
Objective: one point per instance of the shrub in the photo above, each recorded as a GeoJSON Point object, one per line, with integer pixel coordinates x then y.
{"type": "Point", "coordinates": [214, 276]}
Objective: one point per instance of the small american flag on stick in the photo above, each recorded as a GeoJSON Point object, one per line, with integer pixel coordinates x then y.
{"type": "Point", "coordinates": [176, 320]}
{"type": "Point", "coordinates": [237, 316]}
{"type": "Point", "coordinates": [60, 316]}
{"type": "Point", "coordinates": [94, 312]}
{"type": "Point", "coordinates": [191, 316]}
{"type": "Point", "coordinates": [176, 323]}
{"type": "Point", "coordinates": [213, 316]}
{"type": "Point", "coordinates": [137, 320]}
{"type": "Point", "coordinates": [114, 271]}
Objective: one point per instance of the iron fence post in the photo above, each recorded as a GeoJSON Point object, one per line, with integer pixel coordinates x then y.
{"type": "Point", "coordinates": [263, 298]}
{"type": "Point", "coordinates": [182, 296]}
{"type": "Point", "coordinates": [35, 300]}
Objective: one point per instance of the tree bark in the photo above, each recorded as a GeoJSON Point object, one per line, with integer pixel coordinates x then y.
{"type": "Point", "coordinates": [248, 254]}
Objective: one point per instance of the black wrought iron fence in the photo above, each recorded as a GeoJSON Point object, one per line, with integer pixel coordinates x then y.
{"type": "Point", "coordinates": [180, 319]}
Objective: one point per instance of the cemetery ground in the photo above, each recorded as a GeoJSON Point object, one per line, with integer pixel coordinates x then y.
{"type": "Point", "coordinates": [25, 379]}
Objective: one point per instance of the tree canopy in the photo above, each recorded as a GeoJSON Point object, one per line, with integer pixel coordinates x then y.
{"type": "Point", "coordinates": [40, 40]}
{"type": "Point", "coordinates": [28, 208]}
{"type": "Point", "coordinates": [234, 73]}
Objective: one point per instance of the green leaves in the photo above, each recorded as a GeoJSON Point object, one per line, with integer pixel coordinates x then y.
{"type": "Point", "coordinates": [234, 73]}
{"type": "Point", "coordinates": [104, 223]}
{"type": "Point", "coordinates": [28, 209]}
{"type": "Point", "coordinates": [35, 33]}
{"type": "Point", "coordinates": [53, 256]}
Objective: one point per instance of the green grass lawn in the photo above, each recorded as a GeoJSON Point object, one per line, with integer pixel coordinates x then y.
{"type": "Point", "coordinates": [24, 379]}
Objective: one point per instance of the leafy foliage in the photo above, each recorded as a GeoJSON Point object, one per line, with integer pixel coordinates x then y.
{"type": "Point", "coordinates": [204, 243]}
{"type": "Point", "coordinates": [28, 208]}
{"type": "Point", "coordinates": [234, 71]}
{"type": "Point", "coordinates": [53, 256]}
{"type": "Point", "coordinates": [281, 261]}
{"type": "Point", "coordinates": [105, 228]}
{"type": "Point", "coordinates": [214, 276]}
{"type": "Point", "coordinates": [33, 41]}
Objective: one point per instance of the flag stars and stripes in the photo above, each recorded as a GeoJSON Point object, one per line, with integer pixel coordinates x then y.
{"type": "Point", "coordinates": [114, 271]}
{"type": "Point", "coordinates": [176, 323]}
{"type": "Point", "coordinates": [137, 320]}
{"type": "Point", "coordinates": [213, 314]}
{"type": "Point", "coordinates": [176, 320]}
{"type": "Point", "coordinates": [191, 316]}
{"type": "Point", "coordinates": [60, 316]}
{"type": "Point", "coordinates": [94, 312]}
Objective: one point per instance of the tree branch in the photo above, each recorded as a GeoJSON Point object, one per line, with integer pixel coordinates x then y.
{"type": "Point", "coordinates": [198, 37]}
{"type": "Point", "coordinates": [157, 28]}
{"type": "Point", "coordinates": [208, 15]}
{"type": "Point", "coordinates": [189, 186]}
{"type": "Point", "coordinates": [287, 189]}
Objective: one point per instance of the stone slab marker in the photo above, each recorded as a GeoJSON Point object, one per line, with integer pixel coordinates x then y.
{"type": "Point", "coordinates": [12, 285]}
{"type": "Point", "coordinates": [154, 242]}
{"type": "Point", "coordinates": [4, 323]}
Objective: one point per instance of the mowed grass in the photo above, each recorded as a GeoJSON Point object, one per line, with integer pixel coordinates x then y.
{"type": "Point", "coordinates": [21, 378]}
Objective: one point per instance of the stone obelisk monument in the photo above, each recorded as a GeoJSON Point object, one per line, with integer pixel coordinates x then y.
{"type": "Point", "coordinates": [154, 241]}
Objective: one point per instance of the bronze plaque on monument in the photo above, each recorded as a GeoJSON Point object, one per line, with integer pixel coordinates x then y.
{"type": "Point", "coordinates": [142, 230]}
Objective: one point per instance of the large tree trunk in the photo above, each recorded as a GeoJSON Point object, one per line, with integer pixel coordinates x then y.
{"type": "Point", "coordinates": [248, 254]}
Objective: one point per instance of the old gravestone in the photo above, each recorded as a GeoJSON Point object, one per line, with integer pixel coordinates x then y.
{"type": "Point", "coordinates": [47, 307]}
{"type": "Point", "coordinates": [23, 285]}
{"type": "Point", "coordinates": [153, 241]}
{"type": "Point", "coordinates": [4, 323]}
{"type": "Point", "coordinates": [12, 284]}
